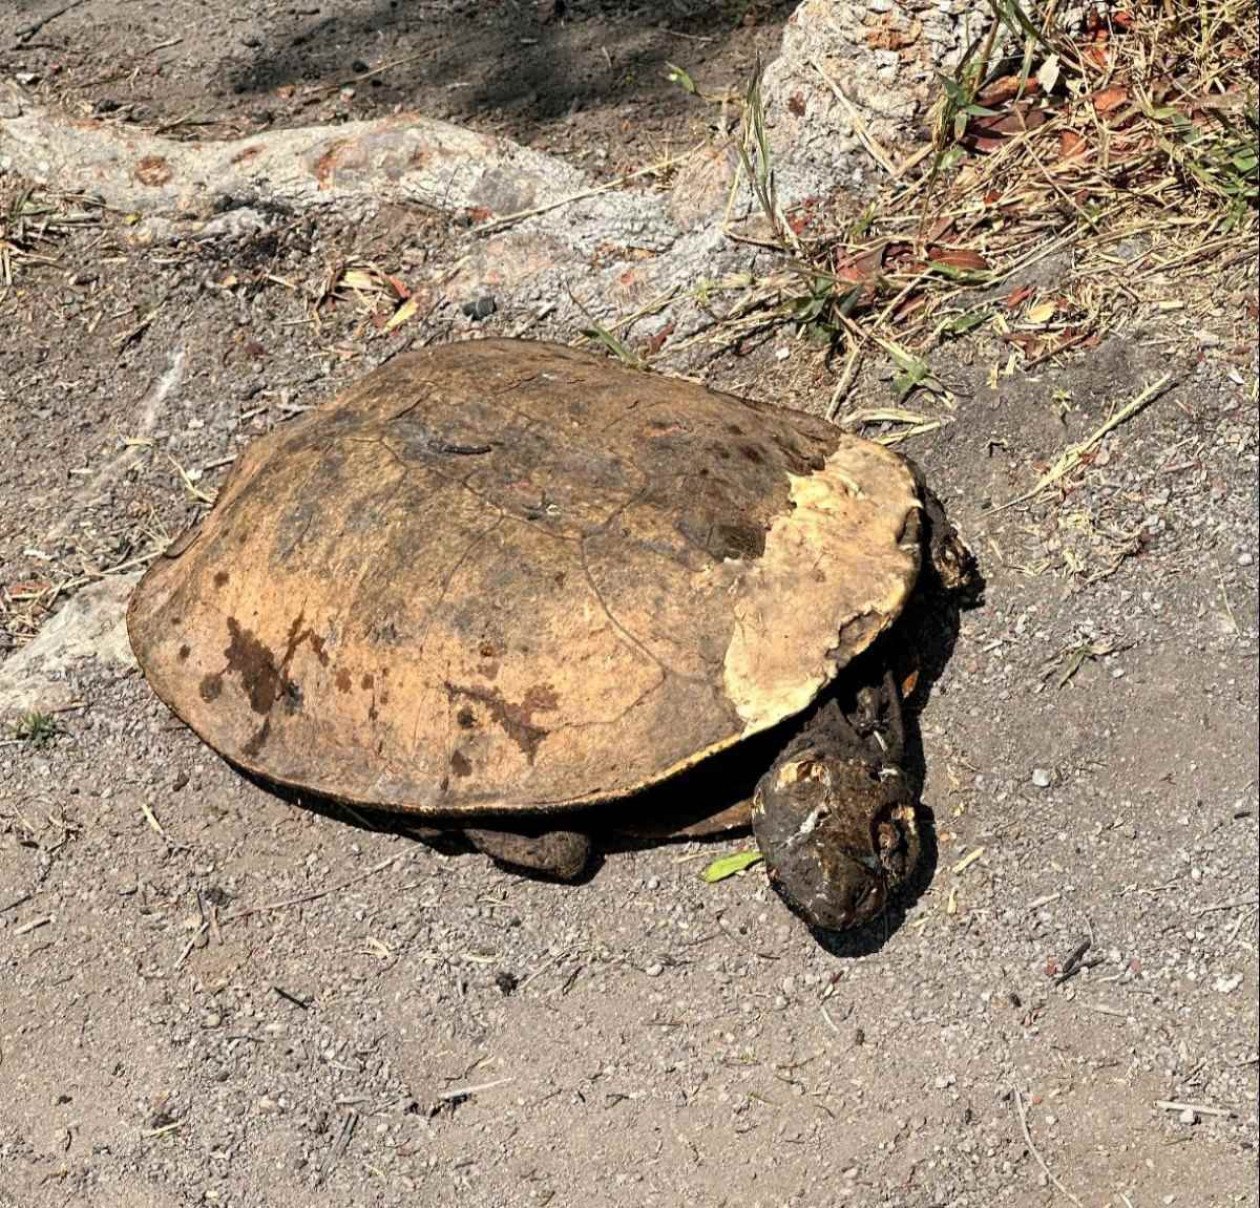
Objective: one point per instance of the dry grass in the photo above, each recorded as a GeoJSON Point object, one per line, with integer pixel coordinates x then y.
{"type": "Point", "coordinates": [1126, 152]}
{"type": "Point", "coordinates": [33, 223]}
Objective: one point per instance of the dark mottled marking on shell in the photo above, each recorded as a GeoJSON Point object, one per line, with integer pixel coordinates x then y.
{"type": "Point", "coordinates": [516, 720]}
{"type": "Point", "coordinates": [255, 664]}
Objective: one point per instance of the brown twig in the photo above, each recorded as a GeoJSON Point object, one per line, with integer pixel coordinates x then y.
{"type": "Point", "coordinates": [284, 903]}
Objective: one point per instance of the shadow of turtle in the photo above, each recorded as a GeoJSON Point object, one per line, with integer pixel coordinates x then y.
{"type": "Point", "coordinates": [445, 840]}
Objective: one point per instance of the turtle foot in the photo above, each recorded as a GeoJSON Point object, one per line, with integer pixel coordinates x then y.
{"type": "Point", "coordinates": [560, 854]}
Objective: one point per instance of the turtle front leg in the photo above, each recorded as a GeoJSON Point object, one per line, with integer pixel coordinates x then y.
{"type": "Point", "coordinates": [560, 854]}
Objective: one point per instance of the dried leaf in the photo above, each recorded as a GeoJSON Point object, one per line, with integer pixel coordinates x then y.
{"type": "Point", "coordinates": [1030, 345]}
{"type": "Point", "coordinates": [959, 258]}
{"type": "Point", "coordinates": [1043, 312]}
{"type": "Point", "coordinates": [357, 278]}
{"type": "Point", "coordinates": [1048, 74]}
{"type": "Point", "coordinates": [728, 866]}
{"type": "Point", "coordinates": [1071, 144]}
{"type": "Point", "coordinates": [860, 267]}
{"type": "Point", "coordinates": [657, 342]}
{"type": "Point", "coordinates": [406, 311]}
{"type": "Point", "coordinates": [1006, 88]}
{"type": "Point", "coordinates": [1018, 119]}
{"type": "Point", "coordinates": [1107, 99]}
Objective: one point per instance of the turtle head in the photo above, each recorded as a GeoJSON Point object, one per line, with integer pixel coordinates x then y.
{"type": "Point", "coordinates": [838, 834]}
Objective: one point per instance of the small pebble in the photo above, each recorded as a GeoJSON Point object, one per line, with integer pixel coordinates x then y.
{"type": "Point", "coordinates": [480, 308]}
{"type": "Point", "coordinates": [1041, 778]}
{"type": "Point", "coordinates": [506, 982]}
{"type": "Point", "coordinates": [654, 970]}
{"type": "Point", "coordinates": [1189, 1116]}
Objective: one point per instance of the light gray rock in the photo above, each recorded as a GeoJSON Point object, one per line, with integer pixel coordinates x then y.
{"type": "Point", "coordinates": [92, 625]}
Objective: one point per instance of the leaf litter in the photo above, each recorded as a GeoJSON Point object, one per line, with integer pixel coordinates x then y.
{"type": "Point", "coordinates": [1127, 151]}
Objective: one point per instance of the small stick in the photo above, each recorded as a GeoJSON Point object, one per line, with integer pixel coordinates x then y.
{"type": "Point", "coordinates": [192, 943]}
{"type": "Point", "coordinates": [551, 960]}
{"type": "Point", "coordinates": [367, 75]}
{"type": "Point", "coordinates": [678, 33]}
{"type": "Point", "coordinates": [968, 860]}
{"type": "Point", "coordinates": [1248, 900]}
{"type": "Point", "coordinates": [33, 925]}
{"type": "Point", "coordinates": [26, 897]}
{"type": "Point", "coordinates": [465, 1092]}
{"type": "Point", "coordinates": [1103, 1009]}
{"type": "Point", "coordinates": [293, 998]}
{"type": "Point", "coordinates": [877, 153]}
{"type": "Point", "coordinates": [209, 915]}
{"type": "Point", "coordinates": [845, 384]}
{"type": "Point", "coordinates": [1036, 1153]}
{"type": "Point", "coordinates": [1068, 344]}
{"type": "Point", "coordinates": [1202, 1109]}
{"type": "Point", "coordinates": [1072, 458]}
{"type": "Point", "coordinates": [157, 1132]}
{"type": "Point", "coordinates": [151, 818]}
{"type": "Point", "coordinates": [343, 1137]}
{"type": "Point", "coordinates": [284, 903]}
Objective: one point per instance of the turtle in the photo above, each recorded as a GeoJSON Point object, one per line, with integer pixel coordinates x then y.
{"type": "Point", "coordinates": [529, 595]}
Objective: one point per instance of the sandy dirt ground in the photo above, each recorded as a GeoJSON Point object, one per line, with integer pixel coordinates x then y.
{"type": "Point", "coordinates": [211, 996]}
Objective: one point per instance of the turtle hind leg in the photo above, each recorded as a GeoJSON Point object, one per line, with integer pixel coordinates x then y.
{"type": "Point", "coordinates": [559, 854]}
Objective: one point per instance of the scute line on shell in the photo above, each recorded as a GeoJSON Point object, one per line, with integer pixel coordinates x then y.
{"type": "Point", "coordinates": [634, 642]}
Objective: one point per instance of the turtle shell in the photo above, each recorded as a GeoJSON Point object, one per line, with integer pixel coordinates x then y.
{"type": "Point", "coordinates": [503, 575]}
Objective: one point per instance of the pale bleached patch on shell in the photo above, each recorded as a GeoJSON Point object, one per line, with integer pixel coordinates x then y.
{"type": "Point", "coordinates": [833, 559]}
